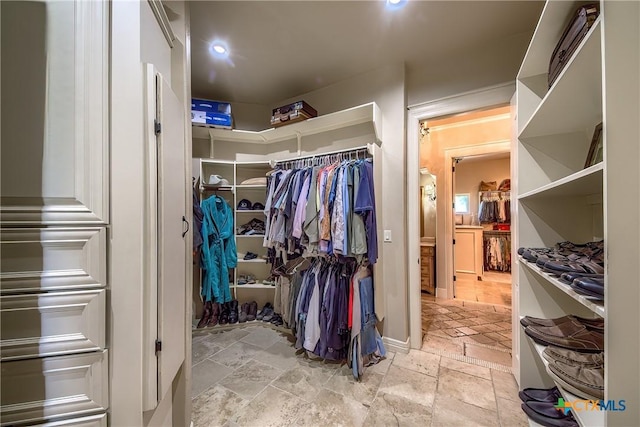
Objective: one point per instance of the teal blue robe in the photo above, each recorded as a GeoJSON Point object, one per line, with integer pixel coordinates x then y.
{"type": "Point", "coordinates": [219, 252]}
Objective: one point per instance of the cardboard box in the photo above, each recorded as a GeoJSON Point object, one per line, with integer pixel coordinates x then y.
{"type": "Point", "coordinates": [211, 113]}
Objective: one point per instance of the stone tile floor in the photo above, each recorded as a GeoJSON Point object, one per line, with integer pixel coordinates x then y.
{"type": "Point", "coordinates": [464, 328]}
{"type": "Point", "coordinates": [252, 376]}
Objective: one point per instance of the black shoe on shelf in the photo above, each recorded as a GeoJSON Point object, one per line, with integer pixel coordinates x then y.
{"type": "Point", "coordinates": [224, 313]}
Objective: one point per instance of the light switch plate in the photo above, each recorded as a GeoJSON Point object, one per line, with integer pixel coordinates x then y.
{"type": "Point", "coordinates": [387, 235]}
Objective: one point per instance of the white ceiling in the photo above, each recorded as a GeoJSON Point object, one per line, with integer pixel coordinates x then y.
{"type": "Point", "coordinates": [281, 49]}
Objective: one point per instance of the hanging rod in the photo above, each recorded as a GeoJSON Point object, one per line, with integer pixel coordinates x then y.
{"type": "Point", "coordinates": [368, 148]}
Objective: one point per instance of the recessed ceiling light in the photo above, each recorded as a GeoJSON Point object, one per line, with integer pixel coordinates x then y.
{"type": "Point", "coordinates": [219, 49]}
{"type": "Point", "coordinates": [395, 4]}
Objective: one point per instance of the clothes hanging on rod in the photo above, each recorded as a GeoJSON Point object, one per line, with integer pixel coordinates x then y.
{"type": "Point", "coordinates": [219, 252]}
{"type": "Point", "coordinates": [333, 315]}
{"type": "Point", "coordinates": [497, 251]}
{"type": "Point", "coordinates": [327, 208]}
{"type": "Point", "coordinates": [495, 206]}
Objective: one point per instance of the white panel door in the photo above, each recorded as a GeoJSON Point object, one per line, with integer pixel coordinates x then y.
{"type": "Point", "coordinates": [172, 187]}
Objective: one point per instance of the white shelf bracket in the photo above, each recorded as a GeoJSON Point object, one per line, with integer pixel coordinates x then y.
{"type": "Point", "coordinates": [211, 140]}
{"type": "Point", "coordinates": [299, 137]}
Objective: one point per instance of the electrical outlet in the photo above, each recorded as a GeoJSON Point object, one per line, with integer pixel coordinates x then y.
{"type": "Point", "coordinates": [387, 235]}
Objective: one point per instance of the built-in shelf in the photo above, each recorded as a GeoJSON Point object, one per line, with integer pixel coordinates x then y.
{"type": "Point", "coordinates": [249, 211]}
{"type": "Point", "coordinates": [574, 102]}
{"type": "Point", "coordinates": [254, 286]}
{"type": "Point", "coordinates": [553, 20]}
{"type": "Point", "coordinates": [208, 187]}
{"type": "Point", "coordinates": [585, 182]}
{"type": "Point", "coordinates": [595, 306]}
{"type": "Point", "coordinates": [367, 113]}
{"type": "Point", "coordinates": [585, 418]}
{"type": "Point", "coordinates": [250, 235]}
{"type": "Point", "coordinates": [255, 260]}
{"type": "Point", "coordinates": [240, 186]}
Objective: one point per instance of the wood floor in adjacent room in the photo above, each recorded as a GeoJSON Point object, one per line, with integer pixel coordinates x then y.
{"type": "Point", "coordinates": [495, 288]}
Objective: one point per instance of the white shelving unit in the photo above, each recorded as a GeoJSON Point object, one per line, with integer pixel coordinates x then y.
{"type": "Point", "coordinates": [236, 173]}
{"type": "Point", "coordinates": [559, 199]}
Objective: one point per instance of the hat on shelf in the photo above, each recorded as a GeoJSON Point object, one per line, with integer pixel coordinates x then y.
{"type": "Point", "coordinates": [255, 181]}
{"type": "Point", "coordinates": [217, 180]}
{"type": "Point", "coordinates": [257, 206]}
{"type": "Point", "coordinates": [244, 205]}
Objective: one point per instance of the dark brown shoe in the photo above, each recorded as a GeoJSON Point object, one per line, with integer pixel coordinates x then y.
{"type": "Point", "coordinates": [253, 311]}
{"type": "Point", "coordinates": [215, 314]}
{"type": "Point", "coordinates": [571, 335]}
{"type": "Point", "coordinates": [244, 311]}
{"type": "Point", "coordinates": [591, 324]}
{"type": "Point", "coordinates": [206, 315]}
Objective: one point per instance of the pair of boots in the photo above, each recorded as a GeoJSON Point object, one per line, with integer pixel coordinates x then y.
{"type": "Point", "coordinates": [248, 311]}
{"type": "Point", "coordinates": [215, 313]}
{"type": "Point", "coordinates": [211, 315]}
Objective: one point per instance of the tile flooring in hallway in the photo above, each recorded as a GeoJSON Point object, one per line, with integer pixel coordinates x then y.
{"type": "Point", "coordinates": [252, 376]}
{"type": "Point", "coordinates": [465, 328]}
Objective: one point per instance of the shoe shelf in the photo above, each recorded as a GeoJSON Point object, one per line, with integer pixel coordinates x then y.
{"type": "Point", "coordinates": [255, 260]}
{"type": "Point", "coordinates": [582, 183]}
{"type": "Point", "coordinates": [208, 187]}
{"type": "Point", "coordinates": [574, 102]}
{"type": "Point", "coordinates": [249, 211]}
{"type": "Point", "coordinates": [584, 418]}
{"type": "Point", "coordinates": [596, 307]}
{"type": "Point", "coordinates": [250, 235]}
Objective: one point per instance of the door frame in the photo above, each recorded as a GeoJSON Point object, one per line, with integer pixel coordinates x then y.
{"type": "Point", "coordinates": [473, 100]}
{"type": "Point", "coordinates": [450, 155]}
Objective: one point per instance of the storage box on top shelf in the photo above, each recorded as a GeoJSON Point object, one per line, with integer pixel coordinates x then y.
{"type": "Point", "coordinates": [292, 113]}
{"type": "Point", "coordinates": [211, 113]}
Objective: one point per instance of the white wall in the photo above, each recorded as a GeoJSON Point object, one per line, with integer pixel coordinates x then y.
{"type": "Point", "coordinates": [386, 87]}
{"type": "Point", "coordinates": [482, 66]}
{"type": "Point", "coordinates": [470, 173]}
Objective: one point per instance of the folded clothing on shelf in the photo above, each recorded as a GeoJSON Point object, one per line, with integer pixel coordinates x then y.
{"type": "Point", "coordinates": [255, 226]}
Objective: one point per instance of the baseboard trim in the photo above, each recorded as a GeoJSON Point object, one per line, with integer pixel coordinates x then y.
{"type": "Point", "coordinates": [442, 293]}
{"type": "Point", "coordinates": [396, 345]}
